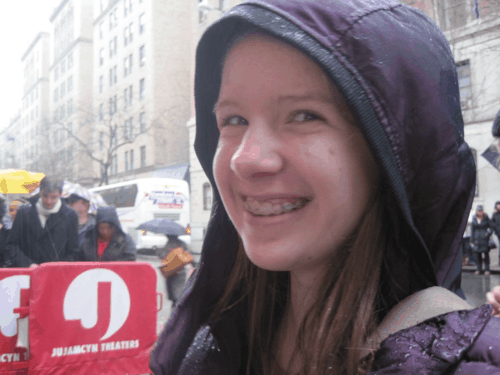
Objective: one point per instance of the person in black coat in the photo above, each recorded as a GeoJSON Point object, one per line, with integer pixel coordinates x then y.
{"type": "Point", "coordinates": [175, 284]}
{"type": "Point", "coordinates": [4, 232]}
{"type": "Point", "coordinates": [495, 221]}
{"type": "Point", "coordinates": [45, 229]}
{"type": "Point", "coordinates": [480, 238]}
{"type": "Point", "coordinates": [107, 241]}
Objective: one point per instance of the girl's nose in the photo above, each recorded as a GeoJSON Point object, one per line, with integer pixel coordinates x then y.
{"type": "Point", "coordinates": [258, 155]}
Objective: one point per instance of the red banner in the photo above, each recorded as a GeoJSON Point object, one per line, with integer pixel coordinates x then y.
{"type": "Point", "coordinates": [91, 318]}
{"type": "Point", "coordinates": [14, 283]}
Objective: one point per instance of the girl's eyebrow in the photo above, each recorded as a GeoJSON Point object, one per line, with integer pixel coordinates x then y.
{"type": "Point", "coordinates": [225, 103]}
{"type": "Point", "coordinates": [311, 96]}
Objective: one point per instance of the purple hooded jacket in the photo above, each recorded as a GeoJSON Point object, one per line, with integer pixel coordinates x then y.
{"type": "Point", "coordinates": [396, 72]}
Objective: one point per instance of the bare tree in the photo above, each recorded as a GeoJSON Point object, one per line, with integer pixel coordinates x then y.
{"type": "Point", "coordinates": [93, 133]}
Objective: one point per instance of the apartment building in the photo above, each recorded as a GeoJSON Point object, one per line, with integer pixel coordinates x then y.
{"type": "Point", "coordinates": [70, 96]}
{"type": "Point", "coordinates": [141, 87]}
{"type": "Point", "coordinates": [203, 14]}
{"type": "Point", "coordinates": [472, 32]}
{"type": "Point", "coordinates": [10, 144]}
{"type": "Point", "coordinates": [35, 105]}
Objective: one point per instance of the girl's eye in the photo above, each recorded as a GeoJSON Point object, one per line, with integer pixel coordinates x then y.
{"type": "Point", "coordinates": [305, 116]}
{"type": "Point", "coordinates": [234, 120]}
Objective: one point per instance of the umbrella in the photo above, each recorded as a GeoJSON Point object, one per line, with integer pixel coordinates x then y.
{"type": "Point", "coordinates": [13, 181]}
{"type": "Point", "coordinates": [95, 199]}
{"type": "Point", "coordinates": [163, 226]}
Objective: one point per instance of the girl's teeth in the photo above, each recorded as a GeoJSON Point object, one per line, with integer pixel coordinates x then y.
{"type": "Point", "coordinates": [272, 207]}
{"type": "Point", "coordinates": [266, 208]}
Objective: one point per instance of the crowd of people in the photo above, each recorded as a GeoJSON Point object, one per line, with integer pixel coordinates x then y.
{"type": "Point", "coordinates": [50, 228]}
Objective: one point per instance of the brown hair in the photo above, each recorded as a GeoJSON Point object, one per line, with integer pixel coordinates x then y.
{"type": "Point", "coordinates": [333, 337]}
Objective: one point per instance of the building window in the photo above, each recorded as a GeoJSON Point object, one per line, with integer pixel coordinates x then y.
{"type": "Point", "coordinates": [143, 156]}
{"type": "Point", "coordinates": [63, 66]}
{"type": "Point", "coordinates": [142, 88]}
{"type": "Point", "coordinates": [464, 82]}
{"type": "Point", "coordinates": [131, 127]}
{"type": "Point", "coordinates": [130, 58]}
{"type": "Point", "coordinates": [101, 56]}
{"type": "Point", "coordinates": [142, 55]}
{"type": "Point", "coordinates": [131, 160]}
{"type": "Point", "coordinates": [56, 95]}
{"type": "Point", "coordinates": [142, 122]}
{"type": "Point", "coordinates": [125, 36]}
{"type": "Point", "coordinates": [63, 89]}
{"type": "Point", "coordinates": [110, 77]}
{"type": "Point", "coordinates": [142, 27]}
{"type": "Point", "coordinates": [115, 74]}
{"type": "Point", "coordinates": [101, 140]}
{"type": "Point", "coordinates": [56, 73]}
{"type": "Point", "coordinates": [114, 164]}
{"type": "Point", "coordinates": [126, 161]}
{"type": "Point", "coordinates": [131, 95]}
{"type": "Point", "coordinates": [115, 45]}
{"type": "Point", "coordinates": [70, 60]}
{"type": "Point", "coordinates": [130, 32]}
{"type": "Point", "coordinates": [101, 112]}
{"type": "Point", "coordinates": [453, 13]}
{"type": "Point", "coordinates": [223, 4]}
{"type": "Point", "coordinates": [125, 66]}
{"type": "Point", "coordinates": [62, 113]}
{"type": "Point", "coordinates": [70, 83]}
{"type": "Point", "coordinates": [101, 84]}
{"type": "Point", "coordinates": [70, 107]}
{"type": "Point", "coordinates": [125, 98]}
{"type": "Point", "coordinates": [207, 196]}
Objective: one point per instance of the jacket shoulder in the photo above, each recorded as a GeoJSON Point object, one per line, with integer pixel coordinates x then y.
{"type": "Point", "coordinates": [442, 343]}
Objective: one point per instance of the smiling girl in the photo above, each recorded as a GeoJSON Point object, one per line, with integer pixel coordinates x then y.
{"type": "Point", "coordinates": [331, 132]}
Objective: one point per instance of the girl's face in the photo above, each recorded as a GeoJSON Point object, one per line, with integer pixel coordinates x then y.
{"type": "Point", "coordinates": [294, 173]}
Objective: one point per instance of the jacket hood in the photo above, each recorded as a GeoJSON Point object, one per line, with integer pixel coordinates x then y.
{"type": "Point", "coordinates": [108, 214]}
{"type": "Point", "coordinates": [396, 72]}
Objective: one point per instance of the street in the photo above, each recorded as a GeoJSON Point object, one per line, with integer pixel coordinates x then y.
{"type": "Point", "coordinates": [476, 287]}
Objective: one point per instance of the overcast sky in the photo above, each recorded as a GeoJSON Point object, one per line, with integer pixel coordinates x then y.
{"type": "Point", "coordinates": [20, 22]}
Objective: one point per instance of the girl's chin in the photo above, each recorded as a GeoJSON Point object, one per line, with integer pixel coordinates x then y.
{"type": "Point", "coordinates": [270, 260]}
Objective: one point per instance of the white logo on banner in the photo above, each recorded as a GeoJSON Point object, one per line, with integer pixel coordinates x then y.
{"type": "Point", "coordinates": [80, 301]}
{"type": "Point", "coordinates": [10, 298]}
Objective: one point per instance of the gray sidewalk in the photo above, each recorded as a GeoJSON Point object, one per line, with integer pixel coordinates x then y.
{"type": "Point", "coordinates": [494, 267]}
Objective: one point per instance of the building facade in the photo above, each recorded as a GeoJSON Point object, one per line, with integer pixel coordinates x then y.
{"type": "Point", "coordinates": [141, 87]}
{"type": "Point", "coordinates": [201, 189]}
{"type": "Point", "coordinates": [473, 33]}
{"type": "Point", "coordinates": [35, 105]}
{"type": "Point", "coordinates": [67, 134]}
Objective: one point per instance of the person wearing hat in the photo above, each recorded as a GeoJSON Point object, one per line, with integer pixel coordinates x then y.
{"type": "Point", "coordinates": [480, 237]}
{"type": "Point", "coordinates": [45, 229]}
{"type": "Point", "coordinates": [14, 206]}
{"type": "Point", "coordinates": [106, 241]}
{"type": "Point", "coordinates": [85, 221]}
